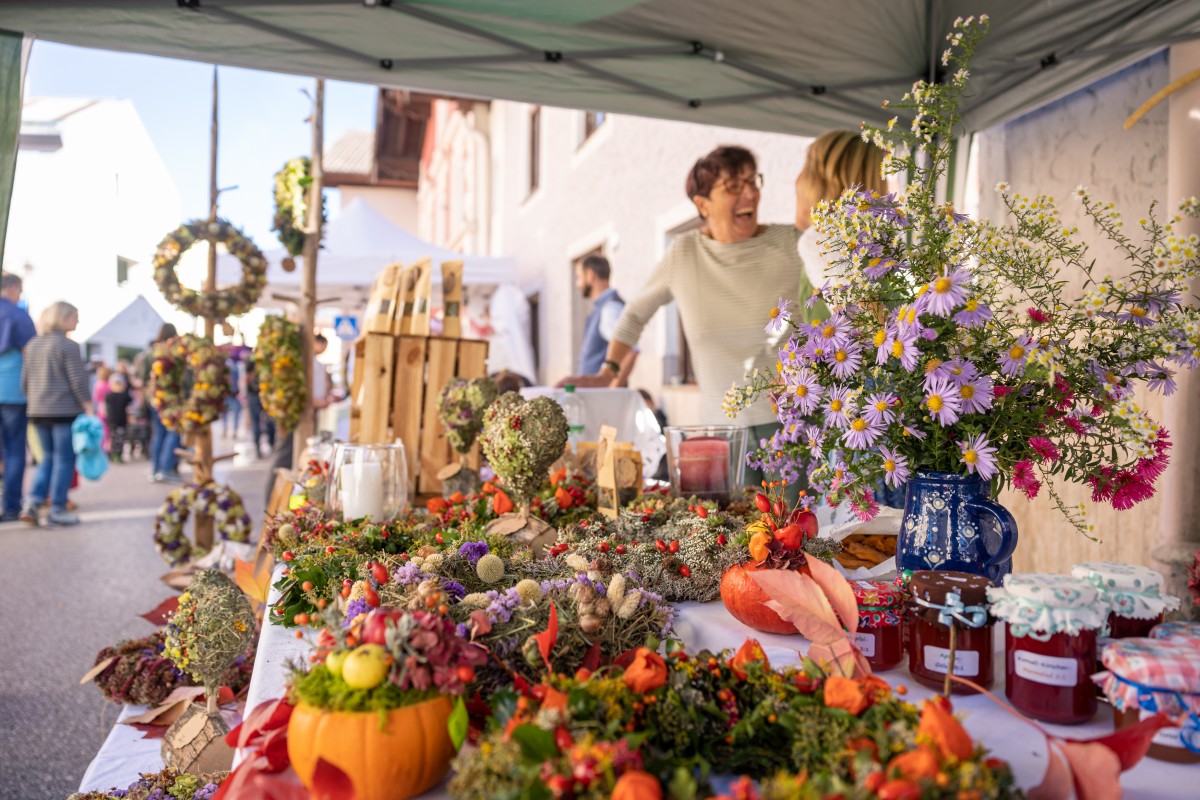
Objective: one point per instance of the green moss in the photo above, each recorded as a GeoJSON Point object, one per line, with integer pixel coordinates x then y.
{"type": "Point", "coordinates": [321, 688]}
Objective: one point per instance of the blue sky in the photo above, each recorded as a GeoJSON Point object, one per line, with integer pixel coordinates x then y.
{"type": "Point", "coordinates": [262, 120]}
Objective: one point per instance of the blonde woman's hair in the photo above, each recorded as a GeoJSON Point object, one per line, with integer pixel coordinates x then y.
{"type": "Point", "coordinates": [836, 161]}
{"type": "Point", "coordinates": [56, 317]}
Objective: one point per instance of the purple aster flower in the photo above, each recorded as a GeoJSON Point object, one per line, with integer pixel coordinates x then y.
{"type": "Point", "coordinates": [1013, 360]}
{"type": "Point", "coordinates": [895, 468]}
{"type": "Point", "coordinates": [814, 439]}
{"type": "Point", "coordinates": [878, 410]}
{"type": "Point", "coordinates": [879, 266]}
{"type": "Point", "coordinates": [846, 360]}
{"type": "Point", "coordinates": [473, 551]}
{"type": "Point", "coordinates": [946, 293]}
{"type": "Point", "coordinates": [353, 609]}
{"type": "Point", "coordinates": [1163, 381]}
{"type": "Point", "coordinates": [973, 314]}
{"type": "Point", "coordinates": [1138, 315]}
{"type": "Point", "coordinates": [861, 434]}
{"type": "Point", "coordinates": [804, 391]}
{"type": "Point", "coordinates": [903, 345]}
{"type": "Point", "coordinates": [916, 433]}
{"type": "Point", "coordinates": [833, 332]}
{"type": "Point", "coordinates": [779, 316]}
{"type": "Point", "coordinates": [838, 408]}
{"type": "Point", "coordinates": [961, 371]}
{"type": "Point", "coordinates": [935, 369]}
{"type": "Point", "coordinates": [979, 456]}
{"type": "Point", "coordinates": [454, 589]}
{"type": "Point", "coordinates": [943, 401]}
{"type": "Point", "coordinates": [977, 394]}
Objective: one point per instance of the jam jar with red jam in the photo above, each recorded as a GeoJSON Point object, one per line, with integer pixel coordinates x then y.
{"type": "Point", "coordinates": [1050, 640]}
{"type": "Point", "coordinates": [941, 601]}
{"type": "Point", "coordinates": [880, 618]}
{"type": "Point", "coordinates": [1133, 594]}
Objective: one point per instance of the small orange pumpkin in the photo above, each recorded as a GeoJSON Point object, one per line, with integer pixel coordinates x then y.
{"type": "Point", "coordinates": [745, 600]}
{"type": "Point", "coordinates": [409, 756]}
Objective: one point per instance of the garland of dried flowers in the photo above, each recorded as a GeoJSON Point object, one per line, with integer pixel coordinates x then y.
{"type": "Point", "coordinates": [213, 626]}
{"type": "Point", "coordinates": [279, 365]}
{"type": "Point", "coordinates": [228, 302]}
{"type": "Point", "coordinates": [291, 203]}
{"type": "Point", "coordinates": [221, 503]}
{"type": "Point", "coordinates": [142, 674]}
{"type": "Point", "coordinates": [162, 785]}
{"type": "Point", "coordinates": [175, 361]}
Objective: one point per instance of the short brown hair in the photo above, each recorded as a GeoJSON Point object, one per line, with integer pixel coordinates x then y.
{"type": "Point", "coordinates": [729, 159]}
{"type": "Point", "coordinates": [597, 264]}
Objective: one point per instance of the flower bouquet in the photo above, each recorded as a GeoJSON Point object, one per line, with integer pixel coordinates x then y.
{"type": "Point", "coordinates": [378, 703]}
{"type": "Point", "coordinates": [956, 350]}
{"type": "Point", "coordinates": [679, 720]}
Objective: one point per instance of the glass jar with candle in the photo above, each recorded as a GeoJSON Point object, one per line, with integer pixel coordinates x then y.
{"type": "Point", "coordinates": [1133, 594]}
{"type": "Point", "coordinates": [367, 481]}
{"type": "Point", "coordinates": [706, 461]}
{"type": "Point", "coordinates": [880, 617]}
{"type": "Point", "coordinates": [1052, 622]}
{"type": "Point", "coordinates": [949, 611]}
{"type": "Point", "coordinates": [1146, 676]}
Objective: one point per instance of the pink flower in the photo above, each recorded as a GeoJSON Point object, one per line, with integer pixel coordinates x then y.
{"type": "Point", "coordinates": [1045, 449]}
{"type": "Point", "coordinates": [1075, 425]}
{"type": "Point", "coordinates": [1024, 480]}
{"type": "Point", "coordinates": [1001, 391]}
{"type": "Point", "coordinates": [1038, 316]}
{"type": "Point", "coordinates": [1130, 492]}
{"type": "Point", "coordinates": [865, 507]}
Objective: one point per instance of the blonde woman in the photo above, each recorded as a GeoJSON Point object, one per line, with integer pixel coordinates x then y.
{"type": "Point", "coordinates": [836, 161]}
{"type": "Point", "coordinates": [54, 380]}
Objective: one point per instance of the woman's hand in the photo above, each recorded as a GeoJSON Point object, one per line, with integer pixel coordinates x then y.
{"type": "Point", "coordinates": [587, 381]}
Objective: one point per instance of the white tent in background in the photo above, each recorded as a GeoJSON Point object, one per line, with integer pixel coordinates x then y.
{"type": "Point", "coordinates": [357, 245]}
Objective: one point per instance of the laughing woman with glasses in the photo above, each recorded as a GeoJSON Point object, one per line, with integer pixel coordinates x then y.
{"type": "Point", "coordinates": [725, 278]}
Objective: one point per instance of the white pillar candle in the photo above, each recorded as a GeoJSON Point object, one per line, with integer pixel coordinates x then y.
{"type": "Point", "coordinates": [362, 490]}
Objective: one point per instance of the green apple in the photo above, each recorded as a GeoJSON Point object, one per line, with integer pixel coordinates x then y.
{"type": "Point", "coordinates": [366, 666]}
{"type": "Point", "coordinates": [335, 660]}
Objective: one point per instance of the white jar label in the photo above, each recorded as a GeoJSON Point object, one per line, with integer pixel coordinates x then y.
{"type": "Point", "coordinates": [865, 642]}
{"type": "Point", "coordinates": [1047, 670]}
{"type": "Point", "coordinates": [966, 662]}
{"type": "Point", "coordinates": [1165, 737]}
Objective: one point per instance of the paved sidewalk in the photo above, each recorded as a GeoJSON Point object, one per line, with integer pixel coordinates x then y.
{"type": "Point", "coordinates": [66, 594]}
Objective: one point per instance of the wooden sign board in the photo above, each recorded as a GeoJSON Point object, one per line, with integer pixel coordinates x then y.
{"type": "Point", "coordinates": [406, 288]}
{"type": "Point", "coordinates": [452, 299]}
{"type": "Point", "coordinates": [380, 308]}
{"type": "Point", "coordinates": [422, 300]}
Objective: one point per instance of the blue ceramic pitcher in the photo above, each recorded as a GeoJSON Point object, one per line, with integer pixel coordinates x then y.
{"type": "Point", "coordinates": [950, 524]}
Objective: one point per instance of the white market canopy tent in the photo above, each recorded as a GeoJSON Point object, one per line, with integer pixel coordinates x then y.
{"type": "Point", "coordinates": [356, 246]}
{"type": "Point", "coordinates": [794, 66]}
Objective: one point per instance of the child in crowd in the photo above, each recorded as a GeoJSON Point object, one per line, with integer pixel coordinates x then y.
{"type": "Point", "coordinates": [116, 413]}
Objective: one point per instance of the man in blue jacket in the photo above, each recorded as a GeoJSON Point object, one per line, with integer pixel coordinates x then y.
{"type": "Point", "coordinates": [16, 329]}
{"type": "Point", "coordinates": [592, 280]}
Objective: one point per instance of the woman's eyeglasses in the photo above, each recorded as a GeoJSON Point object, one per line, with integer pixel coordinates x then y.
{"type": "Point", "coordinates": [736, 185]}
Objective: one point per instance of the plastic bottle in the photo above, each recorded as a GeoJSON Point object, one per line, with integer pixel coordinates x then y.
{"type": "Point", "coordinates": [572, 406]}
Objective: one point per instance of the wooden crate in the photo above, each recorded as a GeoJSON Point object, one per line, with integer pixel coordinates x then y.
{"type": "Point", "coordinates": [394, 393]}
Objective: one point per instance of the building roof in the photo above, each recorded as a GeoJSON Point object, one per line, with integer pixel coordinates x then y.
{"type": "Point", "coordinates": [351, 157]}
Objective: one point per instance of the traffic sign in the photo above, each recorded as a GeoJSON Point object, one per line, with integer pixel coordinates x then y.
{"type": "Point", "coordinates": [346, 328]}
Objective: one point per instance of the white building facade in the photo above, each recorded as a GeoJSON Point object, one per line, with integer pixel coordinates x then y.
{"type": "Point", "coordinates": [91, 200]}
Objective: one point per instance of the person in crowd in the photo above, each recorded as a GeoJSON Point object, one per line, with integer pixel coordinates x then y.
{"type": "Point", "coordinates": [116, 415]}
{"type": "Point", "coordinates": [54, 379]}
{"type": "Point", "coordinates": [231, 419]}
{"type": "Point", "coordinates": [660, 416]}
{"type": "Point", "coordinates": [99, 392]}
{"type": "Point", "coordinates": [16, 329]}
{"type": "Point", "coordinates": [836, 161]}
{"type": "Point", "coordinates": [592, 280]}
{"type": "Point", "coordinates": [507, 381]}
{"type": "Point", "coordinates": [725, 278]}
{"type": "Point", "coordinates": [164, 461]}
{"type": "Point", "coordinates": [261, 423]}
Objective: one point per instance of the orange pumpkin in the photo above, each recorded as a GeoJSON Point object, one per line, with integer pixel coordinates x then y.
{"type": "Point", "coordinates": [409, 756]}
{"type": "Point", "coordinates": [745, 600]}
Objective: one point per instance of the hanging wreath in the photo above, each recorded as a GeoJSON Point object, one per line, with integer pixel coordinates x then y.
{"type": "Point", "coordinates": [228, 302]}
{"type": "Point", "coordinates": [177, 362]}
{"type": "Point", "coordinates": [291, 203]}
{"type": "Point", "coordinates": [224, 505]}
{"type": "Point", "coordinates": [279, 365]}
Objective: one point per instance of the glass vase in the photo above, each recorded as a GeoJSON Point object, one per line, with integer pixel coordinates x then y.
{"type": "Point", "coordinates": [367, 481]}
{"type": "Point", "coordinates": [706, 461]}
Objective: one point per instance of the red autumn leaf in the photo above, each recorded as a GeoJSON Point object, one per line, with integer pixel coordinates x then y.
{"type": "Point", "coordinates": [548, 638]}
{"type": "Point", "coordinates": [501, 503]}
{"type": "Point", "coordinates": [1131, 743]}
{"type": "Point", "coordinates": [330, 782]}
{"type": "Point", "coordinates": [1096, 768]}
{"type": "Point", "coordinates": [799, 600]}
{"type": "Point", "coordinates": [157, 616]}
{"type": "Point", "coordinates": [1056, 784]}
{"type": "Point", "coordinates": [481, 624]}
{"type": "Point", "coordinates": [266, 716]}
{"type": "Point", "coordinates": [591, 658]}
{"type": "Point", "coordinates": [625, 659]}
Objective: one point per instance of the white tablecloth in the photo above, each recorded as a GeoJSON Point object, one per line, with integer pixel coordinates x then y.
{"type": "Point", "coordinates": [625, 410]}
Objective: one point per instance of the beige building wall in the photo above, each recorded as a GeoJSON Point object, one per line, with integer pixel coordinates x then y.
{"type": "Point", "coordinates": [398, 206]}
{"type": "Point", "coordinates": [1080, 140]}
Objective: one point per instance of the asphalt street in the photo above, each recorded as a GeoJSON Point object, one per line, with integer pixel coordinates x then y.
{"type": "Point", "coordinates": [66, 593]}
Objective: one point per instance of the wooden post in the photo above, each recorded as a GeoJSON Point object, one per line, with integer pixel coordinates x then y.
{"type": "Point", "coordinates": [202, 458]}
{"type": "Point", "coordinates": [308, 282]}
